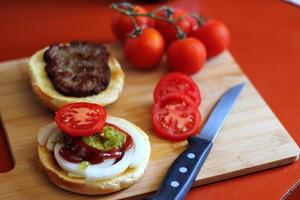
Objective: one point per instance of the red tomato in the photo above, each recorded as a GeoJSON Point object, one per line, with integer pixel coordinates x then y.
{"type": "Point", "coordinates": [121, 24]}
{"type": "Point", "coordinates": [186, 55]}
{"type": "Point", "coordinates": [175, 117]}
{"type": "Point", "coordinates": [80, 119]}
{"type": "Point", "coordinates": [178, 83]}
{"type": "Point", "coordinates": [214, 35]}
{"type": "Point", "coordinates": [146, 50]}
{"type": "Point", "coordinates": [168, 30]}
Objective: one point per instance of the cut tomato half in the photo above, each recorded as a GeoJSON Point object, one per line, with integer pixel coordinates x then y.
{"type": "Point", "coordinates": [80, 119]}
{"type": "Point", "coordinates": [179, 83]}
{"type": "Point", "coordinates": [175, 117]}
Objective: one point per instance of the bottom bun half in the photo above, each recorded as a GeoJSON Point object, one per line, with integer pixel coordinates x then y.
{"type": "Point", "coordinates": [90, 187]}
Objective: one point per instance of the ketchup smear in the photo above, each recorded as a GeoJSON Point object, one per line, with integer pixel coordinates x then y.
{"type": "Point", "coordinates": [75, 150]}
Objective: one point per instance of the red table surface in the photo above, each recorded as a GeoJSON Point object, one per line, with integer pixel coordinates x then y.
{"type": "Point", "coordinates": [265, 42]}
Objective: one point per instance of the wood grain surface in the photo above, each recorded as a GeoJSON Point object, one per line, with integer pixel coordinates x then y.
{"type": "Point", "coordinates": [252, 139]}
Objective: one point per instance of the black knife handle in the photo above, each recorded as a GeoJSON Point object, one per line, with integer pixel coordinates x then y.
{"type": "Point", "coordinates": [183, 171]}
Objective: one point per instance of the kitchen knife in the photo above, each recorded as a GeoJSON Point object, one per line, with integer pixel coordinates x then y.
{"type": "Point", "coordinates": [293, 193]}
{"type": "Point", "coordinates": [184, 170]}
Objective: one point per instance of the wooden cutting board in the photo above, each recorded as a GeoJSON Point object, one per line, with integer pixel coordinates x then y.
{"type": "Point", "coordinates": [252, 138]}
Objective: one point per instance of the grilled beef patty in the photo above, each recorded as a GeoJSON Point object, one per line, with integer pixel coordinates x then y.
{"type": "Point", "coordinates": [78, 69]}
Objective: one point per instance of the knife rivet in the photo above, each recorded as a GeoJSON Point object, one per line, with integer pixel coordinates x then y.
{"type": "Point", "coordinates": [174, 184]}
{"type": "Point", "coordinates": [191, 155]}
{"type": "Point", "coordinates": [183, 169]}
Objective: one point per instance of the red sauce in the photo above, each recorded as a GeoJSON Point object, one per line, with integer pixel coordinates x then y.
{"type": "Point", "coordinates": [75, 150]}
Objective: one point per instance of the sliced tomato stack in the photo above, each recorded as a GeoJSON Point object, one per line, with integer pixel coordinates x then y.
{"type": "Point", "coordinates": [175, 113]}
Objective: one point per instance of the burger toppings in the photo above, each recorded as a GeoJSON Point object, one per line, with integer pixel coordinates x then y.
{"type": "Point", "coordinates": [133, 156]}
{"type": "Point", "coordinates": [86, 136]}
{"type": "Point", "coordinates": [110, 143]}
{"type": "Point", "coordinates": [105, 153]}
{"type": "Point", "coordinates": [78, 69]}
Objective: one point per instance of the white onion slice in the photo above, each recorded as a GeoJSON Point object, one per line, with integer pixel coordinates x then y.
{"type": "Point", "coordinates": [53, 139]}
{"type": "Point", "coordinates": [45, 132]}
{"type": "Point", "coordinates": [95, 173]}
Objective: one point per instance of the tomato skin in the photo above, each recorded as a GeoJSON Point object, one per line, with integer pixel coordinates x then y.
{"type": "Point", "coordinates": [121, 24]}
{"type": "Point", "coordinates": [175, 117]}
{"type": "Point", "coordinates": [186, 55]}
{"type": "Point", "coordinates": [146, 50]}
{"type": "Point", "coordinates": [80, 119]}
{"type": "Point", "coordinates": [214, 35]}
{"type": "Point", "coordinates": [179, 83]}
{"type": "Point", "coordinates": [168, 30]}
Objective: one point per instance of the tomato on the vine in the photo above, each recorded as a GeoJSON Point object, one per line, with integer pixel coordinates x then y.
{"type": "Point", "coordinates": [187, 55]}
{"type": "Point", "coordinates": [214, 35]}
{"type": "Point", "coordinates": [121, 24]}
{"type": "Point", "coordinates": [146, 50]}
{"type": "Point", "coordinates": [168, 30]}
{"type": "Point", "coordinates": [175, 117]}
{"type": "Point", "coordinates": [80, 119]}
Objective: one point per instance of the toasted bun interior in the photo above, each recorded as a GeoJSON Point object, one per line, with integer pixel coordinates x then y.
{"type": "Point", "coordinates": [53, 100]}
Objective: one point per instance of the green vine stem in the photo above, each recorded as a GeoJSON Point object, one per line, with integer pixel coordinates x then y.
{"type": "Point", "coordinates": [127, 9]}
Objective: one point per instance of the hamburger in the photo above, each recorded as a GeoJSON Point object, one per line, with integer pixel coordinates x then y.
{"type": "Point", "coordinates": [84, 151]}
{"type": "Point", "coordinates": [78, 71]}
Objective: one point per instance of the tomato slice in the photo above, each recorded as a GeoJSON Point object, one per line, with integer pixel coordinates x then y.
{"type": "Point", "coordinates": [80, 119]}
{"type": "Point", "coordinates": [175, 117]}
{"type": "Point", "coordinates": [180, 83]}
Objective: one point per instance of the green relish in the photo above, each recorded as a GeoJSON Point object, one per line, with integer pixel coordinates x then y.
{"type": "Point", "coordinates": [110, 138]}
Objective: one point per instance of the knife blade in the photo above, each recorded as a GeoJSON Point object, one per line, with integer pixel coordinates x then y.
{"type": "Point", "coordinates": [293, 193]}
{"type": "Point", "coordinates": [184, 170]}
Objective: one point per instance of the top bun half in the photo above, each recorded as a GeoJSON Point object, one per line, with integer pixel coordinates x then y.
{"type": "Point", "coordinates": [52, 99]}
